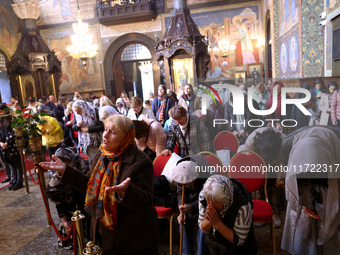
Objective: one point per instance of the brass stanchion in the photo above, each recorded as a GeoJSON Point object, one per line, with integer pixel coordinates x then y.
{"type": "Point", "coordinates": [19, 139]}
{"type": "Point", "coordinates": [77, 218]}
{"type": "Point", "coordinates": [182, 218]}
{"type": "Point", "coordinates": [92, 249]}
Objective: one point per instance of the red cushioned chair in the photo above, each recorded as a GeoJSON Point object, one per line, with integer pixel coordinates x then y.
{"type": "Point", "coordinates": [163, 212]}
{"type": "Point", "coordinates": [262, 211]}
{"type": "Point", "coordinates": [176, 149]}
{"type": "Point", "coordinates": [226, 139]}
{"type": "Point", "coordinates": [212, 158]}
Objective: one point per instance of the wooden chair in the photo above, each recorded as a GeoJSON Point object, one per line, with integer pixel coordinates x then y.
{"type": "Point", "coordinates": [254, 180]}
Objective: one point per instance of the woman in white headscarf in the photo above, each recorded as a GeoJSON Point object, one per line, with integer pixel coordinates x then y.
{"type": "Point", "coordinates": [312, 224]}
{"type": "Point", "coordinates": [122, 107]}
{"type": "Point", "coordinates": [106, 111]}
{"type": "Point", "coordinates": [89, 128]}
{"type": "Point", "coordinates": [225, 212]}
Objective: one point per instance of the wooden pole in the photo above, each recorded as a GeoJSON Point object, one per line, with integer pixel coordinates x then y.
{"type": "Point", "coordinates": [182, 218]}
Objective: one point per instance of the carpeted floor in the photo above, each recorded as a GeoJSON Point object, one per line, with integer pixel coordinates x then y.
{"type": "Point", "coordinates": [3, 177]}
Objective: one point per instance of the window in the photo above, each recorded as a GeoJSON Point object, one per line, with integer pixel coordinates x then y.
{"type": "Point", "coordinates": [136, 52]}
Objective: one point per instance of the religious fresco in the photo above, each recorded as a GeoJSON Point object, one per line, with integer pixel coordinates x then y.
{"type": "Point", "coordinates": [240, 25]}
{"type": "Point", "coordinates": [331, 5]}
{"type": "Point", "coordinates": [289, 15]}
{"type": "Point", "coordinates": [62, 11]}
{"type": "Point", "coordinates": [289, 52]}
{"type": "Point", "coordinates": [9, 38]}
{"type": "Point", "coordinates": [75, 76]}
{"type": "Point", "coordinates": [313, 37]}
{"type": "Point", "coordinates": [328, 49]}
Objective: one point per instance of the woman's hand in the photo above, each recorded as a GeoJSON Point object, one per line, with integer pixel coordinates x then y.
{"type": "Point", "coordinates": [84, 129]}
{"type": "Point", "coordinates": [184, 208]}
{"type": "Point", "coordinates": [165, 152]}
{"type": "Point", "coordinates": [180, 220]}
{"type": "Point", "coordinates": [212, 215]}
{"type": "Point", "coordinates": [242, 133]}
{"type": "Point", "coordinates": [279, 182]}
{"type": "Point", "coordinates": [80, 123]}
{"type": "Point", "coordinates": [120, 188]}
{"type": "Point", "coordinates": [311, 213]}
{"type": "Point", "coordinates": [58, 165]}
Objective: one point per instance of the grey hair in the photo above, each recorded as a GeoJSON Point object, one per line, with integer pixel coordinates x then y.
{"type": "Point", "coordinates": [213, 191]}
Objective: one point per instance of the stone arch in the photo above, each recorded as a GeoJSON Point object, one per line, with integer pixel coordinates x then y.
{"type": "Point", "coordinates": [114, 51]}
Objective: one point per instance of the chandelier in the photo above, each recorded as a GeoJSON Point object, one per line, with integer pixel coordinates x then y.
{"type": "Point", "coordinates": [223, 49]}
{"type": "Point", "coordinates": [82, 43]}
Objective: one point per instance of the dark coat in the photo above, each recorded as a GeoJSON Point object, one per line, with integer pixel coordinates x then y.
{"type": "Point", "coordinates": [68, 133]}
{"type": "Point", "coordinates": [7, 136]}
{"type": "Point", "coordinates": [156, 104]}
{"type": "Point", "coordinates": [137, 225]}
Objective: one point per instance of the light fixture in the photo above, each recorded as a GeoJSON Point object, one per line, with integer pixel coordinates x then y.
{"type": "Point", "coordinates": [145, 67]}
{"type": "Point", "coordinates": [260, 43]}
{"type": "Point", "coordinates": [82, 43]}
{"type": "Point", "coordinates": [224, 48]}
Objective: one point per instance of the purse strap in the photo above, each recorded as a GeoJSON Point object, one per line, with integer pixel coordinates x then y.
{"type": "Point", "coordinates": [147, 135]}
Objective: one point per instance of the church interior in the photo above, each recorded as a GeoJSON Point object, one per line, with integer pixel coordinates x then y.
{"type": "Point", "coordinates": [136, 45]}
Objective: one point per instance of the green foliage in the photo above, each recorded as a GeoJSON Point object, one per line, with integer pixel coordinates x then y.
{"type": "Point", "coordinates": [27, 121]}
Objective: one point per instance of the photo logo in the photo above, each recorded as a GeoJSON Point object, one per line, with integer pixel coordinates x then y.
{"type": "Point", "coordinates": [239, 103]}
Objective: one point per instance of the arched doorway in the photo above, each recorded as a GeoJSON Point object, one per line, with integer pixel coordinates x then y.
{"type": "Point", "coordinates": [122, 66]}
{"type": "Point", "coordinates": [136, 69]}
{"type": "Point", "coordinates": [5, 88]}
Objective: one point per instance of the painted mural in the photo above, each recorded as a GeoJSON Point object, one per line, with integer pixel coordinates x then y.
{"type": "Point", "coordinates": [290, 54]}
{"type": "Point", "coordinates": [62, 11]}
{"type": "Point", "coordinates": [332, 4]}
{"type": "Point", "coordinates": [8, 32]}
{"type": "Point", "coordinates": [75, 76]}
{"type": "Point", "coordinates": [328, 49]}
{"type": "Point", "coordinates": [240, 27]}
{"type": "Point", "coordinates": [289, 15]}
{"type": "Point", "coordinates": [312, 56]}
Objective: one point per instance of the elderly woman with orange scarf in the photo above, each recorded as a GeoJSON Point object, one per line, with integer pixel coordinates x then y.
{"type": "Point", "coordinates": [119, 192]}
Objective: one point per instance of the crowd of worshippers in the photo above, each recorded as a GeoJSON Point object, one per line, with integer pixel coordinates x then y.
{"type": "Point", "coordinates": [102, 157]}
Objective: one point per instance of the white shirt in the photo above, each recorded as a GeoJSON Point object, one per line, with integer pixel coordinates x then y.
{"type": "Point", "coordinates": [145, 114]}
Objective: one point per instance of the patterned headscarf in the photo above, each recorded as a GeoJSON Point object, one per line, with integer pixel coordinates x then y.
{"type": "Point", "coordinates": [97, 199]}
{"type": "Point", "coordinates": [89, 116]}
{"type": "Point", "coordinates": [228, 189]}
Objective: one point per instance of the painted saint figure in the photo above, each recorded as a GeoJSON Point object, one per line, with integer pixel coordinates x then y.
{"type": "Point", "coordinates": [292, 55]}
{"type": "Point", "coordinates": [246, 44]}
{"type": "Point", "coordinates": [283, 58]}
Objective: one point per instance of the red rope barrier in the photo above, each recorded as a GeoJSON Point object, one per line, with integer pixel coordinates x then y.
{"type": "Point", "coordinates": [29, 170]}
{"type": "Point", "coordinates": [50, 218]}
